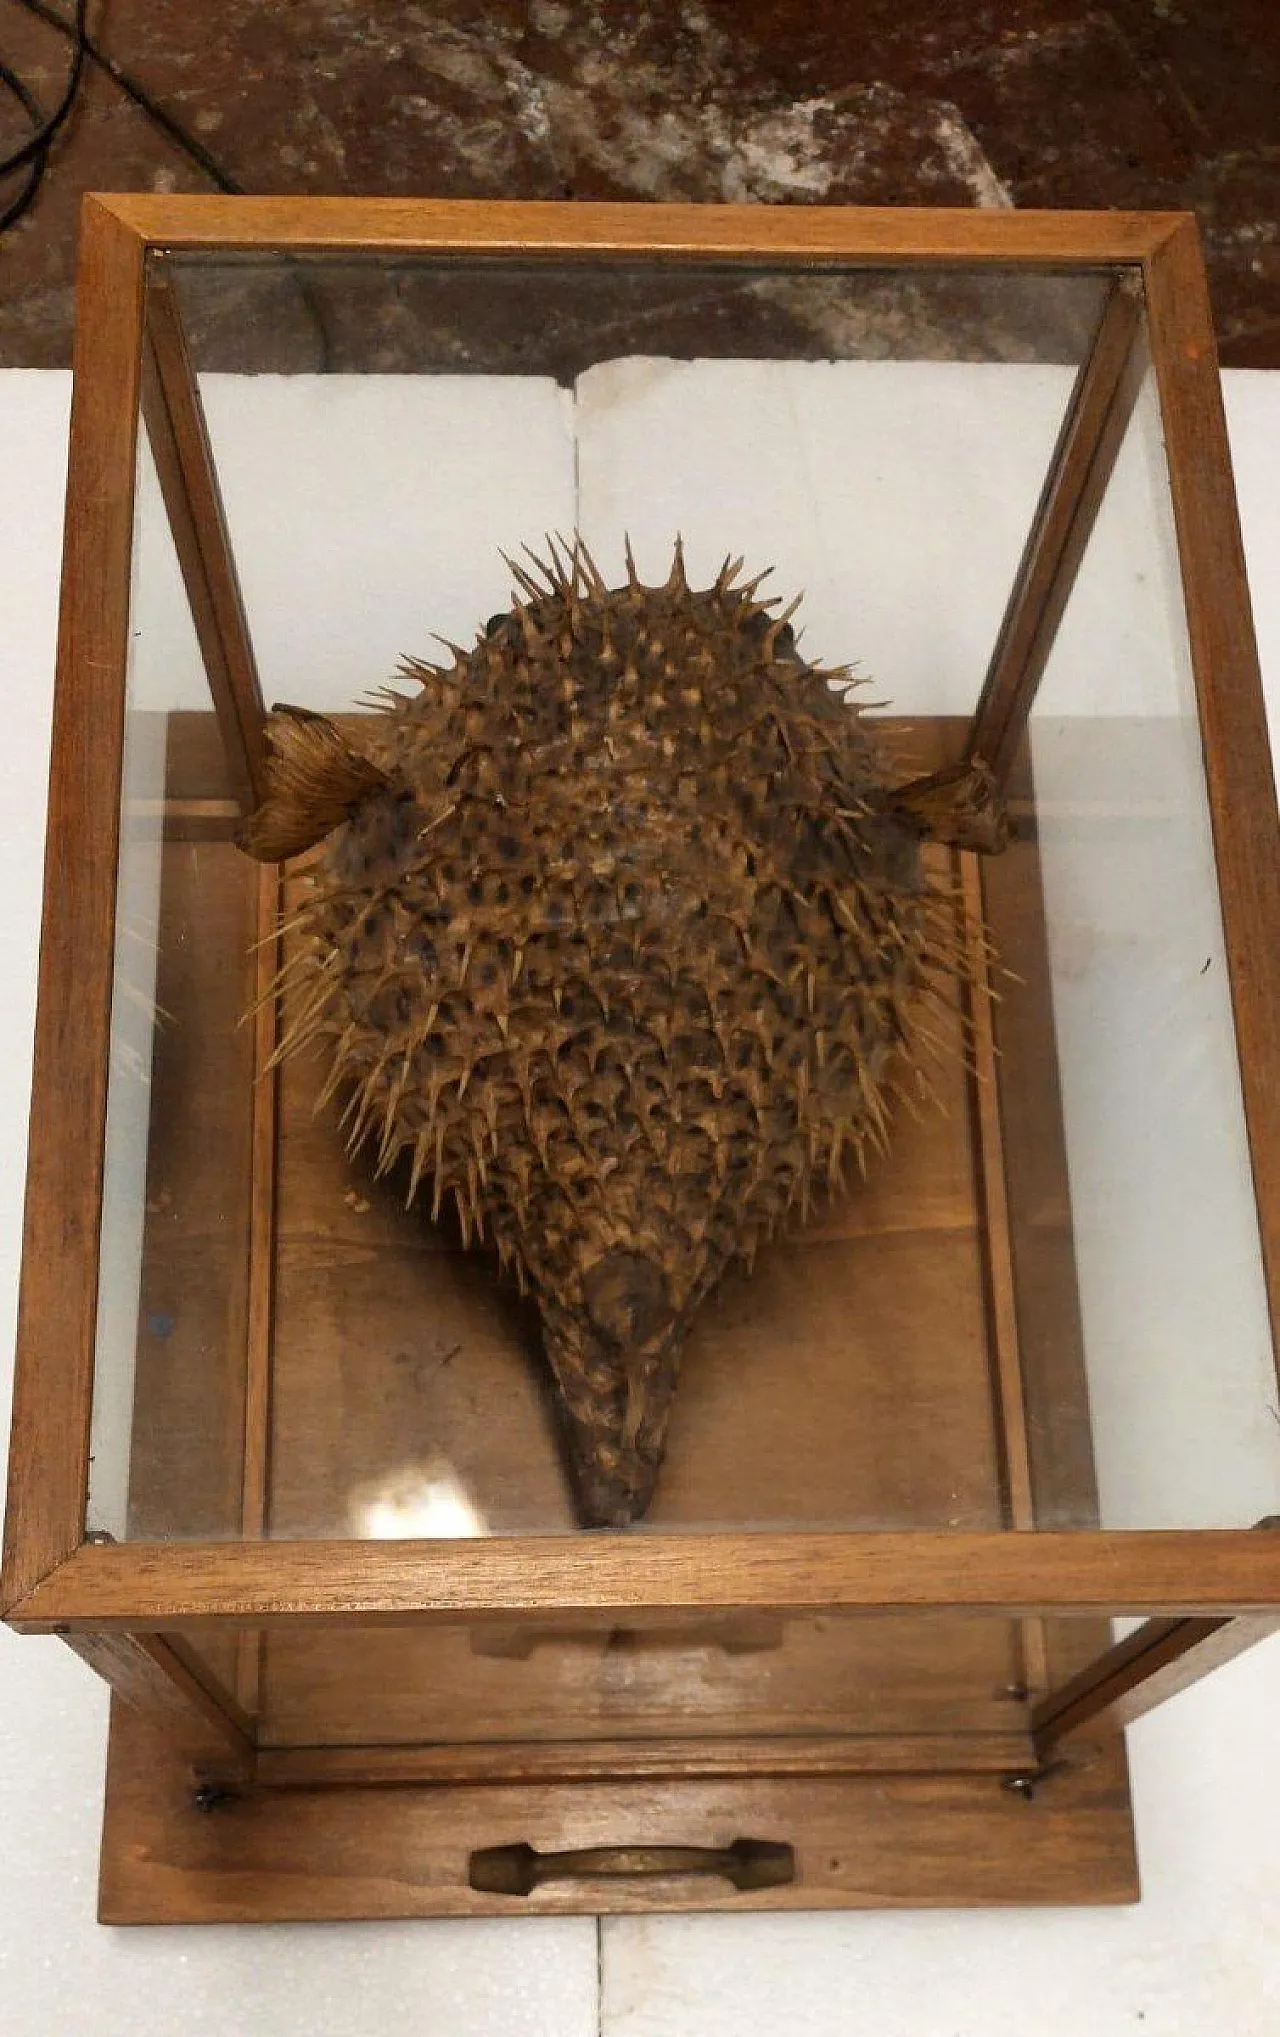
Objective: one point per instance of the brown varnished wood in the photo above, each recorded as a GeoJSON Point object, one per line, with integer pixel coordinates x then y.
{"type": "Point", "coordinates": [436, 1342]}
{"type": "Point", "coordinates": [1155, 1662]}
{"type": "Point", "coordinates": [1002, 1312]}
{"type": "Point", "coordinates": [1028, 1149]}
{"type": "Point", "coordinates": [831, 1675]}
{"type": "Point", "coordinates": [1037, 1190]}
{"type": "Point", "coordinates": [187, 1453]}
{"type": "Point", "coordinates": [260, 1300]}
{"type": "Point", "coordinates": [519, 1869]}
{"type": "Point", "coordinates": [263, 1174]}
{"type": "Point", "coordinates": [1015, 1469]}
{"type": "Point", "coordinates": [179, 436]}
{"type": "Point", "coordinates": [157, 1679]}
{"type": "Point", "coordinates": [53, 1384]}
{"type": "Point", "coordinates": [1137, 1673]}
{"type": "Point", "coordinates": [730, 232]}
{"type": "Point", "coordinates": [882, 1840]}
{"type": "Point", "coordinates": [1088, 442]}
{"type": "Point", "coordinates": [1156, 1572]}
{"type": "Point", "coordinates": [187, 1458]}
{"type": "Point", "coordinates": [743, 1634]}
{"type": "Point", "coordinates": [917, 1839]}
{"type": "Point", "coordinates": [193, 820]}
{"type": "Point", "coordinates": [508, 1761]}
{"type": "Point", "coordinates": [1233, 726]}
{"type": "Point", "coordinates": [195, 762]}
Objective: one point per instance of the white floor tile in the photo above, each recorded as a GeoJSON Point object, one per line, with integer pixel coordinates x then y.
{"type": "Point", "coordinates": [63, 1975]}
{"type": "Point", "coordinates": [1199, 1957]}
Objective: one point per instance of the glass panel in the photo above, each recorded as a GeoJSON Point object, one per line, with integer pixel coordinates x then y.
{"type": "Point", "coordinates": [1176, 1342]}
{"type": "Point", "coordinates": [878, 438]}
{"type": "Point", "coordinates": [168, 1422]}
{"type": "Point", "coordinates": [380, 431]}
{"type": "Point", "coordinates": [461, 1692]}
{"type": "Point", "coordinates": [702, 1679]}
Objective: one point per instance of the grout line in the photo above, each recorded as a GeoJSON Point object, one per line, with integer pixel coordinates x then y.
{"type": "Point", "coordinates": [599, 1977]}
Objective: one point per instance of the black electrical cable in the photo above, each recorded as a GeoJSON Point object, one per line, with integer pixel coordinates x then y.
{"type": "Point", "coordinates": [28, 101]}
{"type": "Point", "coordinates": [33, 155]}
{"type": "Point", "coordinates": [142, 99]}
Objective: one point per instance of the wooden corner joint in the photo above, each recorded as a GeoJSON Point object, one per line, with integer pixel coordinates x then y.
{"type": "Point", "coordinates": [113, 210]}
{"type": "Point", "coordinates": [17, 1592]}
{"type": "Point", "coordinates": [35, 1608]}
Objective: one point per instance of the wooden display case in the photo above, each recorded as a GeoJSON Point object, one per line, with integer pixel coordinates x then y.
{"type": "Point", "coordinates": [284, 1468]}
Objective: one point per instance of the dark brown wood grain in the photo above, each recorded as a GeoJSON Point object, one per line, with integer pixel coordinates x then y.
{"type": "Point", "coordinates": [507, 1761]}
{"type": "Point", "coordinates": [404, 1686]}
{"type": "Point", "coordinates": [193, 820]}
{"type": "Point", "coordinates": [1055, 1387]}
{"type": "Point", "coordinates": [53, 1383]}
{"type": "Point", "coordinates": [157, 1679]}
{"type": "Point", "coordinates": [880, 1841]}
{"type": "Point", "coordinates": [1155, 1571]}
{"type": "Point", "coordinates": [188, 1357]}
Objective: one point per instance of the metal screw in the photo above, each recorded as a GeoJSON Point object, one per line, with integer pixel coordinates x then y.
{"type": "Point", "coordinates": [211, 1796]}
{"type": "Point", "coordinates": [1023, 1786]}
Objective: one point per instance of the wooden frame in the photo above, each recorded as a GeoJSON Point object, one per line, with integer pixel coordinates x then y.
{"type": "Point", "coordinates": [1209, 1592]}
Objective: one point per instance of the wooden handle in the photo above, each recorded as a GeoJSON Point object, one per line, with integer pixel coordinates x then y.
{"type": "Point", "coordinates": [517, 1870]}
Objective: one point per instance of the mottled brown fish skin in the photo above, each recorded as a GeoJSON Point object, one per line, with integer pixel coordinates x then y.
{"type": "Point", "coordinates": [615, 942]}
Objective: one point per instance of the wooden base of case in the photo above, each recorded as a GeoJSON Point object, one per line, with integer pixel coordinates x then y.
{"type": "Point", "coordinates": [912, 1359]}
{"type": "Point", "coordinates": [859, 1842]}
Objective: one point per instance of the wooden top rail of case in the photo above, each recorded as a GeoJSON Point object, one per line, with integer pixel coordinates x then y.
{"type": "Point", "coordinates": [852, 235]}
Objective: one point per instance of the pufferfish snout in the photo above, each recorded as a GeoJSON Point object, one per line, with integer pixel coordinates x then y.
{"type": "Point", "coordinates": [615, 941]}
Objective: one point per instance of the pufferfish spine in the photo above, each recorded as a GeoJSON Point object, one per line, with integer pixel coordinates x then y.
{"type": "Point", "coordinates": [615, 942]}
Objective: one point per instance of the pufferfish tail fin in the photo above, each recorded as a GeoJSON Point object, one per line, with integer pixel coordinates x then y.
{"type": "Point", "coordinates": [316, 779]}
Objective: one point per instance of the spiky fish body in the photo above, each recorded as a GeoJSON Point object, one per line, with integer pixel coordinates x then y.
{"type": "Point", "coordinates": [614, 943]}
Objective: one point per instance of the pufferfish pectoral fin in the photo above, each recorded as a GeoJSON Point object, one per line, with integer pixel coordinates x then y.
{"type": "Point", "coordinates": [962, 805]}
{"type": "Point", "coordinates": [316, 778]}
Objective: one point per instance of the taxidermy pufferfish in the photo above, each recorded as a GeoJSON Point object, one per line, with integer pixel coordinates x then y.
{"type": "Point", "coordinates": [616, 940]}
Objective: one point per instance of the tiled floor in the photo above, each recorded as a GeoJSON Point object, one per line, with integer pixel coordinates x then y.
{"type": "Point", "coordinates": [1160, 103]}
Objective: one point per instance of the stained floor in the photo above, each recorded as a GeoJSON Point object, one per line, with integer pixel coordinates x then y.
{"type": "Point", "coordinates": [1138, 103]}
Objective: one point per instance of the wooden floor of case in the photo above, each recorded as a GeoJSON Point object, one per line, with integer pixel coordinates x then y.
{"type": "Point", "coordinates": [885, 1841]}
{"type": "Point", "coordinates": [860, 1378]}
